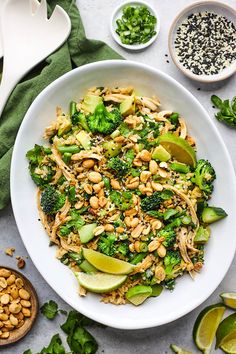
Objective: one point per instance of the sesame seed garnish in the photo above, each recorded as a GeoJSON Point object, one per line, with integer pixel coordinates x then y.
{"type": "Point", "coordinates": [205, 43]}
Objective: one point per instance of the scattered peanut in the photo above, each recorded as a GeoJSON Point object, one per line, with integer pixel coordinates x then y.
{"type": "Point", "coordinates": [115, 184]}
{"type": "Point", "coordinates": [88, 188]}
{"type": "Point", "coordinates": [153, 167]}
{"type": "Point", "coordinates": [15, 303]}
{"type": "Point", "coordinates": [161, 251]}
{"type": "Point", "coordinates": [95, 177]}
{"type": "Point", "coordinates": [94, 202]}
{"type": "Point", "coordinates": [145, 156]}
{"type": "Point", "coordinates": [98, 230]}
{"type": "Point", "coordinates": [21, 263]}
{"type": "Point", "coordinates": [144, 176]}
{"type": "Point", "coordinates": [109, 227]}
{"type": "Point", "coordinates": [88, 163]}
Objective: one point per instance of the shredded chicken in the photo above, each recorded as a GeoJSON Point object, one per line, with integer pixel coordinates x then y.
{"type": "Point", "coordinates": [61, 164]}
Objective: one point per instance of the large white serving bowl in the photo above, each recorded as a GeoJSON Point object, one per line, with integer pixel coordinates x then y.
{"type": "Point", "coordinates": [188, 294]}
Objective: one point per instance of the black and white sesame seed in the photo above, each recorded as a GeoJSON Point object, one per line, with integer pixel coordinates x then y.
{"type": "Point", "coordinates": [205, 43]}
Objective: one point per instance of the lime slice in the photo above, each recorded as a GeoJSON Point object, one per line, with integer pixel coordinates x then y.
{"type": "Point", "coordinates": [179, 148]}
{"type": "Point", "coordinates": [138, 294]}
{"type": "Point", "coordinates": [226, 334]}
{"type": "Point", "coordinates": [179, 350]}
{"type": "Point", "coordinates": [100, 282]}
{"type": "Point", "coordinates": [205, 326]}
{"type": "Point", "coordinates": [229, 299]}
{"type": "Point", "coordinates": [107, 264]}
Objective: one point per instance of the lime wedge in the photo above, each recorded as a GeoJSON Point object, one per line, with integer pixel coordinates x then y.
{"type": "Point", "coordinates": [205, 326]}
{"type": "Point", "coordinates": [226, 334]}
{"type": "Point", "coordinates": [179, 350]}
{"type": "Point", "coordinates": [138, 294]}
{"type": "Point", "coordinates": [179, 148]}
{"type": "Point", "coordinates": [100, 282]}
{"type": "Point", "coordinates": [107, 264]}
{"type": "Point", "coordinates": [229, 299]}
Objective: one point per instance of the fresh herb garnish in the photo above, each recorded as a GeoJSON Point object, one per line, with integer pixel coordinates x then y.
{"type": "Point", "coordinates": [227, 110]}
{"type": "Point", "coordinates": [50, 309]}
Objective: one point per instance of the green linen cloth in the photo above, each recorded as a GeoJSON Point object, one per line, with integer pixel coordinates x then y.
{"type": "Point", "coordinates": [78, 50]}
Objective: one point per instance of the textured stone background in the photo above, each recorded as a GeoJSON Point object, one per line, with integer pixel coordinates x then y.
{"type": "Point", "coordinates": [96, 16]}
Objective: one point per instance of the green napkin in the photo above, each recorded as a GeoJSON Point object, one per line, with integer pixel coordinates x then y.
{"type": "Point", "coordinates": [78, 50]}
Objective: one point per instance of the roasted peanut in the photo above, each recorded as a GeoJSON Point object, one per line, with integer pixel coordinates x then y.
{"type": "Point", "coordinates": [153, 167]}
{"type": "Point", "coordinates": [160, 273]}
{"type": "Point", "coordinates": [5, 335]}
{"type": "Point", "coordinates": [88, 188]}
{"type": "Point", "coordinates": [5, 299]}
{"type": "Point", "coordinates": [14, 321]}
{"type": "Point", "coordinates": [11, 279]}
{"type": "Point", "coordinates": [102, 201]}
{"type": "Point", "coordinates": [89, 163]}
{"type": "Point", "coordinates": [5, 273]}
{"type": "Point", "coordinates": [25, 303]}
{"type": "Point", "coordinates": [14, 292]}
{"type": "Point", "coordinates": [98, 230]}
{"type": "Point", "coordinates": [144, 176]}
{"type": "Point", "coordinates": [19, 283]}
{"type": "Point", "coordinates": [3, 283]}
{"type": "Point", "coordinates": [3, 317]}
{"type": "Point", "coordinates": [115, 184]}
{"type": "Point", "coordinates": [109, 227]}
{"type": "Point", "coordinates": [97, 187]}
{"type": "Point", "coordinates": [26, 312]}
{"type": "Point", "coordinates": [94, 202]}
{"type": "Point", "coordinates": [95, 177]}
{"type": "Point", "coordinates": [157, 186]}
{"type": "Point", "coordinates": [120, 230]}
{"type": "Point", "coordinates": [145, 156]}
{"type": "Point", "coordinates": [161, 251]}
{"type": "Point", "coordinates": [134, 222]}
{"type": "Point", "coordinates": [24, 294]}
{"type": "Point", "coordinates": [15, 308]}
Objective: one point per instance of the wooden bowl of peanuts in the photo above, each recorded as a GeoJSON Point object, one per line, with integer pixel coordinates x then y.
{"type": "Point", "coordinates": [18, 305]}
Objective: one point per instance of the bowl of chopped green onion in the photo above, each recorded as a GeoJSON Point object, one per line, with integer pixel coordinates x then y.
{"type": "Point", "coordinates": [135, 25]}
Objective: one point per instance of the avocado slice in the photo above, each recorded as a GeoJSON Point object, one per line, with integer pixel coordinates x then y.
{"type": "Point", "coordinates": [64, 126]}
{"type": "Point", "coordinates": [112, 149]}
{"type": "Point", "coordinates": [161, 154]}
{"type": "Point", "coordinates": [90, 102]}
{"type": "Point", "coordinates": [202, 235]}
{"type": "Point", "coordinates": [84, 139]}
{"type": "Point", "coordinates": [86, 232]}
{"type": "Point", "coordinates": [127, 106]}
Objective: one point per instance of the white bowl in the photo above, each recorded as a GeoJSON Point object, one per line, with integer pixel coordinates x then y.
{"type": "Point", "coordinates": [117, 15]}
{"type": "Point", "coordinates": [219, 8]}
{"type": "Point", "coordinates": [220, 250]}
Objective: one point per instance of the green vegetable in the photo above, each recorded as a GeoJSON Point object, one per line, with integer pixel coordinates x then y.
{"type": "Point", "coordinates": [169, 213]}
{"type": "Point", "coordinates": [52, 200]}
{"type": "Point", "coordinates": [74, 225]}
{"type": "Point", "coordinates": [204, 176]}
{"type": "Point", "coordinates": [84, 138]}
{"type": "Point", "coordinates": [127, 106]}
{"type": "Point", "coordinates": [111, 148]}
{"type": "Point", "coordinates": [50, 309]}
{"type": "Point", "coordinates": [90, 102]}
{"type": "Point", "coordinates": [179, 167]}
{"type": "Point", "coordinates": [102, 121]}
{"type": "Point", "coordinates": [73, 108]}
{"type": "Point", "coordinates": [71, 256]}
{"type": "Point", "coordinates": [106, 244]}
{"type": "Point", "coordinates": [87, 267]}
{"type": "Point", "coordinates": [123, 200]}
{"type": "Point", "coordinates": [170, 237]}
{"type": "Point", "coordinates": [202, 235]}
{"type": "Point", "coordinates": [156, 290]}
{"type": "Point", "coordinates": [78, 118]}
{"type": "Point", "coordinates": [27, 351]}
{"type": "Point", "coordinates": [212, 214]}
{"type": "Point", "coordinates": [227, 110]}
{"type": "Point", "coordinates": [170, 284]}
{"type": "Point", "coordinates": [72, 194]}
{"type": "Point", "coordinates": [138, 258]}
{"type": "Point", "coordinates": [72, 149]}
{"type": "Point", "coordinates": [136, 26]}
{"type": "Point", "coordinates": [152, 202]}
{"type": "Point", "coordinates": [118, 166]}
{"type": "Point", "coordinates": [86, 232]}
{"type": "Point", "coordinates": [79, 339]}
{"type": "Point", "coordinates": [106, 181]}
{"type": "Point", "coordinates": [35, 157]}
{"type": "Point", "coordinates": [55, 346]}
{"type": "Point", "coordinates": [123, 248]}
{"type": "Point", "coordinates": [174, 119]}
{"type": "Point", "coordinates": [171, 260]}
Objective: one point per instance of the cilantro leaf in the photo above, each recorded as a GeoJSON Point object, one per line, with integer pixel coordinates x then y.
{"type": "Point", "coordinates": [54, 347]}
{"type": "Point", "coordinates": [49, 309]}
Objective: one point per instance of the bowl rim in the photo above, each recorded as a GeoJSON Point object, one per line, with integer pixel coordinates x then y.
{"type": "Point", "coordinates": [135, 46]}
{"type": "Point", "coordinates": [89, 312]}
{"type": "Point", "coordinates": [188, 73]}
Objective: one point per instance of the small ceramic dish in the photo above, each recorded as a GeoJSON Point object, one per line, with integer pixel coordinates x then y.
{"type": "Point", "coordinates": [117, 14]}
{"type": "Point", "coordinates": [17, 334]}
{"type": "Point", "coordinates": [210, 6]}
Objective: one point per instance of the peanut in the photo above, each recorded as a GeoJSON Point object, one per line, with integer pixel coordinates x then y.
{"type": "Point", "coordinates": [15, 308]}
{"type": "Point", "coordinates": [14, 321]}
{"type": "Point", "coordinates": [94, 202]}
{"type": "Point", "coordinates": [3, 317]}
{"type": "Point", "coordinates": [5, 299]}
{"type": "Point", "coordinates": [153, 167]}
{"type": "Point", "coordinates": [5, 335]}
{"type": "Point", "coordinates": [3, 283]}
{"type": "Point", "coordinates": [98, 230]}
{"type": "Point", "coordinates": [120, 230]}
{"type": "Point", "coordinates": [11, 279]}
{"type": "Point", "coordinates": [115, 184]}
{"type": "Point", "coordinates": [25, 303]}
{"type": "Point", "coordinates": [24, 294]}
{"type": "Point", "coordinates": [88, 188]}
{"type": "Point", "coordinates": [26, 312]}
{"type": "Point", "coordinates": [145, 156]}
{"type": "Point", "coordinates": [161, 251]}
{"type": "Point", "coordinates": [5, 273]}
{"type": "Point", "coordinates": [19, 283]}
{"type": "Point", "coordinates": [109, 227]}
{"type": "Point", "coordinates": [95, 177]}
{"type": "Point", "coordinates": [88, 163]}
{"type": "Point", "coordinates": [144, 176]}
{"type": "Point", "coordinates": [102, 201]}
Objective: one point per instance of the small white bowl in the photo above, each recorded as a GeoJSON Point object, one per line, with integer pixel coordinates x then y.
{"type": "Point", "coordinates": [210, 6]}
{"type": "Point", "coordinates": [117, 14]}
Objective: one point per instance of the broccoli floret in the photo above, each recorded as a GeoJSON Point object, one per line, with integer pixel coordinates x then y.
{"type": "Point", "coordinates": [170, 237]}
{"type": "Point", "coordinates": [36, 165]}
{"type": "Point", "coordinates": [171, 260]}
{"type": "Point", "coordinates": [152, 202]}
{"type": "Point", "coordinates": [106, 244]}
{"type": "Point", "coordinates": [52, 200]}
{"type": "Point", "coordinates": [123, 200]}
{"type": "Point", "coordinates": [123, 248]}
{"type": "Point", "coordinates": [204, 176]}
{"type": "Point", "coordinates": [102, 121]}
{"type": "Point", "coordinates": [119, 167]}
{"type": "Point", "coordinates": [79, 118]}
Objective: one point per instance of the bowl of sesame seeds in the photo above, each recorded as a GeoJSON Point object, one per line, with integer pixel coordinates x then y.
{"type": "Point", "coordinates": [202, 41]}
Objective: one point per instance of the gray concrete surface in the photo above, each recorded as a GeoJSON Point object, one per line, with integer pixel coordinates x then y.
{"type": "Point", "coordinates": [96, 15]}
